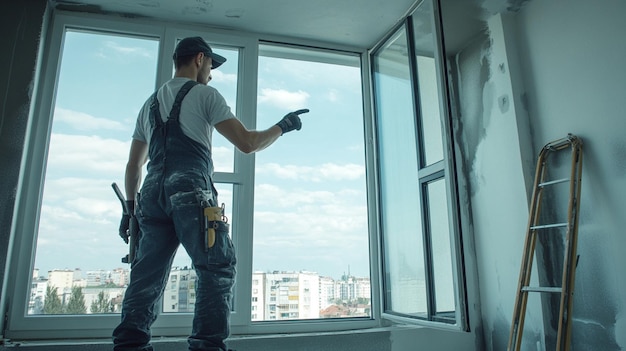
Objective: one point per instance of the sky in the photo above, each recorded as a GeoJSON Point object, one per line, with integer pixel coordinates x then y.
{"type": "Point", "coordinates": [310, 199]}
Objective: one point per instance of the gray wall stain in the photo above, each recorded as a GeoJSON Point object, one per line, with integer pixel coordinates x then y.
{"type": "Point", "coordinates": [471, 77]}
{"type": "Point", "coordinates": [501, 6]}
{"type": "Point", "coordinates": [195, 10]}
{"type": "Point", "coordinates": [201, 7]}
{"type": "Point", "coordinates": [150, 4]}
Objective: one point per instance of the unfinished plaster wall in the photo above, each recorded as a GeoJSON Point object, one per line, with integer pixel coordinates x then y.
{"type": "Point", "coordinates": [573, 57]}
{"type": "Point", "coordinates": [492, 136]}
{"type": "Point", "coordinates": [21, 23]}
{"type": "Point", "coordinates": [560, 66]}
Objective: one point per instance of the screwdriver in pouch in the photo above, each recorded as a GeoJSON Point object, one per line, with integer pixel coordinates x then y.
{"type": "Point", "coordinates": [212, 216]}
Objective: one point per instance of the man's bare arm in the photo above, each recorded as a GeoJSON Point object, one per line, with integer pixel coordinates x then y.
{"type": "Point", "coordinates": [137, 157]}
{"type": "Point", "coordinates": [247, 141]}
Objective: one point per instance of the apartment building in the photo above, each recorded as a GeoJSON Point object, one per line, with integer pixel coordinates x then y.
{"type": "Point", "coordinates": [179, 294]}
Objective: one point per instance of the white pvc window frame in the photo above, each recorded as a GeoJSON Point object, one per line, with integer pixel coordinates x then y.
{"type": "Point", "coordinates": [21, 326]}
{"type": "Point", "coordinates": [442, 170]}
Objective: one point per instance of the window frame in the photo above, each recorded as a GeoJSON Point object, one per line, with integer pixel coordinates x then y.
{"type": "Point", "coordinates": [32, 176]}
{"type": "Point", "coordinates": [20, 325]}
{"type": "Point", "coordinates": [444, 169]}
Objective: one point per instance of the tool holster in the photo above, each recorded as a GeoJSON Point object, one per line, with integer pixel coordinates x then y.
{"type": "Point", "coordinates": [215, 222]}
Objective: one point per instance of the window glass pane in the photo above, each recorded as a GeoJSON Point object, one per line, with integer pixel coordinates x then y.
{"type": "Point", "coordinates": [440, 238]}
{"type": "Point", "coordinates": [404, 284]}
{"type": "Point", "coordinates": [77, 263]}
{"type": "Point", "coordinates": [311, 253]}
{"type": "Point", "coordinates": [431, 138]}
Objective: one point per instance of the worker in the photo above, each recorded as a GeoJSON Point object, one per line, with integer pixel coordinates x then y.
{"type": "Point", "coordinates": [173, 131]}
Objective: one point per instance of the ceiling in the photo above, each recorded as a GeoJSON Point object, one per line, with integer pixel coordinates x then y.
{"type": "Point", "coordinates": [356, 24]}
{"type": "Point", "coordinates": [351, 23]}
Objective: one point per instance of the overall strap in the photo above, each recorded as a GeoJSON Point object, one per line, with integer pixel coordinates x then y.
{"type": "Point", "coordinates": [174, 113]}
{"type": "Point", "coordinates": [155, 113]}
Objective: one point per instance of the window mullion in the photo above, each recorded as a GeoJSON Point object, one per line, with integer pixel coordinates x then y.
{"type": "Point", "coordinates": [428, 262]}
{"type": "Point", "coordinates": [421, 161]}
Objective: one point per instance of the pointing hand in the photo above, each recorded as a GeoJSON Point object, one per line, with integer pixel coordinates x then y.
{"type": "Point", "coordinates": [291, 121]}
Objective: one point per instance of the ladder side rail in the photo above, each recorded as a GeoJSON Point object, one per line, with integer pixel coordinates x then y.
{"type": "Point", "coordinates": [568, 340]}
{"type": "Point", "coordinates": [519, 313]}
{"type": "Point", "coordinates": [569, 269]}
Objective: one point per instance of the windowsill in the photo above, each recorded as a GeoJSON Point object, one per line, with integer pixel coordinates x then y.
{"type": "Point", "coordinates": [233, 338]}
{"type": "Point", "coordinates": [375, 339]}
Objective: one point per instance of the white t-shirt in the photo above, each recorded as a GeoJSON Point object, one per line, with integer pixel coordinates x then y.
{"type": "Point", "coordinates": [200, 111]}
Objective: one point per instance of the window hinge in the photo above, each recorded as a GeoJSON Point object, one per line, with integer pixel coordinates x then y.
{"type": "Point", "coordinates": [5, 322]}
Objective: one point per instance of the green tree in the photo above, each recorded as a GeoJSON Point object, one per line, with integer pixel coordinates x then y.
{"type": "Point", "coordinates": [101, 304]}
{"type": "Point", "coordinates": [362, 301]}
{"type": "Point", "coordinates": [76, 303]}
{"type": "Point", "coordinates": [52, 304]}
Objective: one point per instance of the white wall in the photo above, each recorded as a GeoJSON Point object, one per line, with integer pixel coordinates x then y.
{"type": "Point", "coordinates": [561, 63]}
{"type": "Point", "coordinates": [574, 56]}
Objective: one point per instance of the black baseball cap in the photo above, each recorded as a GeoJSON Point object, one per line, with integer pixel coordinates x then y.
{"type": "Point", "coordinates": [194, 45]}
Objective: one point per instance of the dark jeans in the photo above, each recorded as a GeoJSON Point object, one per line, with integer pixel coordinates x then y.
{"type": "Point", "coordinates": [167, 219]}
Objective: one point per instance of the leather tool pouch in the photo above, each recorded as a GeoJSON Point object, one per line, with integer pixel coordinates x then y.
{"type": "Point", "coordinates": [215, 223]}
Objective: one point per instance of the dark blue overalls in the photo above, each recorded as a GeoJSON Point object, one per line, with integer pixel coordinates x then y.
{"type": "Point", "coordinates": [169, 211]}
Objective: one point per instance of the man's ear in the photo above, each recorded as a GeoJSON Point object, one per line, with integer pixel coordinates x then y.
{"type": "Point", "coordinates": [199, 59]}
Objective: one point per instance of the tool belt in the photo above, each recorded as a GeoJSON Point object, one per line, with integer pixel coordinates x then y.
{"type": "Point", "coordinates": [214, 221]}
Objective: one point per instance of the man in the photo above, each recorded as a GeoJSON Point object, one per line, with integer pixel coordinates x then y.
{"type": "Point", "coordinates": [173, 131]}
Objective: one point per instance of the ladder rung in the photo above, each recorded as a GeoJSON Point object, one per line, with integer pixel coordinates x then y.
{"type": "Point", "coordinates": [564, 180]}
{"type": "Point", "coordinates": [545, 289]}
{"type": "Point", "coordinates": [556, 225]}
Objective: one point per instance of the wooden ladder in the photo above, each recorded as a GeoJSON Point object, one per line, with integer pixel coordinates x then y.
{"type": "Point", "coordinates": [535, 228]}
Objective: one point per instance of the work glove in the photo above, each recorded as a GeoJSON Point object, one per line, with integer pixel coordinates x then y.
{"type": "Point", "coordinates": [125, 222]}
{"type": "Point", "coordinates": [291, 121]}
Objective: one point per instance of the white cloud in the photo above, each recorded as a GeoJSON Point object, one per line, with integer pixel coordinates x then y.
{"type": "Point", "coordinates": [223, 158]}
{"type": "Point", "coordinates": [85, 122]}
{"type": "Point", "coordinates": [284, 99]}
{"type": "Point", "coordinates": [75, 153]}
{"type": "Point", "coordinates": [274, 196]}
{"type": "Point", "coordinates": [69, 238]}
{"type": "Point", "coordinates": [80, 218]}
{"type": "Point", "coordinates": [112, 47]}
{"type": "Point", "coordinates": [355, 147]}
{"type": "Point", "coordinates": [221, 77]}
{"type": "Point", "coordinates": [324, 172]}
{"type": "Point", "coordinates": [342, 172]}
{"type": "Point", "coordinates": [302, 223]}
{"type": "Point", "coordinates": [84, 197]}
{"type": "Point", "coordinates": [333, 95]}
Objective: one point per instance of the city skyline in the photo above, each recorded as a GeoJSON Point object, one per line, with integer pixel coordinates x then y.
{"type": "Point", "coordinates": [274, 296]}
